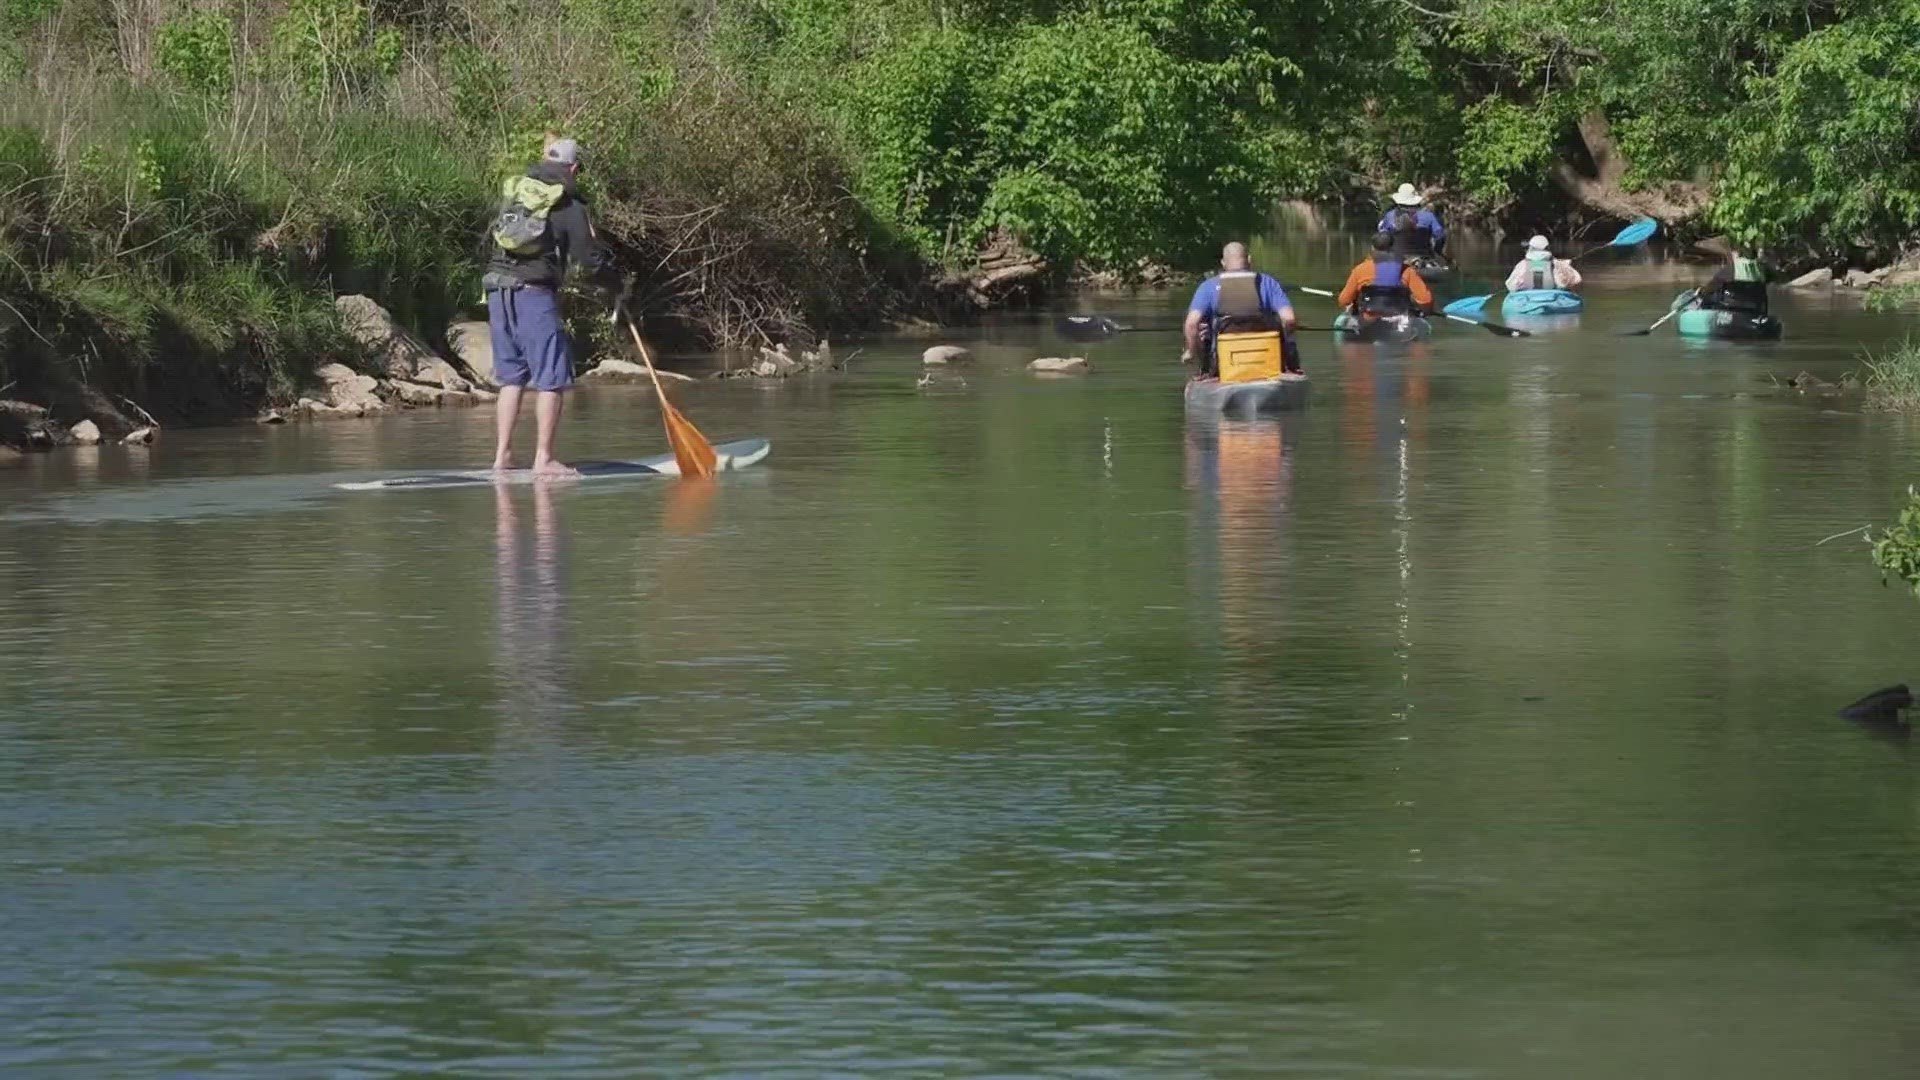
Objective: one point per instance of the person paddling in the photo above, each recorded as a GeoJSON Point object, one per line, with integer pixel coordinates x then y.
{"type": "Point", "coordinates": [541, 231]}
{"type": "Point", "coordinates": [1237, 299]}
{"type": "Point", "coordinates": [1383, 285]}
{"type": "Point", "coordinates": [1739, 284]}
{"type": "Point", "coordinates": [1540, 270]}
{"type": "Point", "coordinates": [1416, 229]}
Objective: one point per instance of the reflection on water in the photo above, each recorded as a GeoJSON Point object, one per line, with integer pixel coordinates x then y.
{"type": "Point", "coordinates": [1476, 721]}
{"type": "Point", "coordinates": [1240, 471]}
{"type": "Point", "coordinates": [532, 660]}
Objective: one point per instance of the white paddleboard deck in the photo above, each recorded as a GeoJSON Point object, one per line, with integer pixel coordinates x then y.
{"type": "Point", "coordinates": [730, 456]}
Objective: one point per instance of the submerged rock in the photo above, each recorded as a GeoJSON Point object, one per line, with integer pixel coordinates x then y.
{"type": "Point", "coordinates": [945, 354]}
{"type": "Point", "coordinates": [614, 369]}
{"type": "Point", "coordinates": [85, 433]}
{"type": "Point", "coordinates": [272, 416]}
{"type": "Point", "coordinates": [140, 436]}
{"type": "Point", "coordinates": [1060, 365]}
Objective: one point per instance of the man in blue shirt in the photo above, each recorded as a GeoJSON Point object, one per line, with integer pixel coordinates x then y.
{"type": "Point", "coordinates": [1237, 299]}
{"type": "Point", "coordinates": [1416, 231]}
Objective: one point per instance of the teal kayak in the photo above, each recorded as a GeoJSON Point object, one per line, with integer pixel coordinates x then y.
{"type": "Point", "coordinates": [1540, 302]}
{"type": "Point", "coordinates": [1721, 323]}
{"type": "Point", "coordinates": [1393, 328]}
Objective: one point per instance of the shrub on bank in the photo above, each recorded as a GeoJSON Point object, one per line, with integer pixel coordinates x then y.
{"type": "Point", "coordinates": [1893, 378]}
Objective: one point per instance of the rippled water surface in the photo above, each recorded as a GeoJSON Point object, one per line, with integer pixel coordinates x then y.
{"type": "Point", "coordinates": [1475, 722]}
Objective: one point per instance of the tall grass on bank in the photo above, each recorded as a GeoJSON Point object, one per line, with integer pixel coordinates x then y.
{"type": "Point", "coordinates": [1893, 378]}
{"type": "Point", "coordinates": [185, 249]}
{"type": "Point", "coordinates": [185, 188]}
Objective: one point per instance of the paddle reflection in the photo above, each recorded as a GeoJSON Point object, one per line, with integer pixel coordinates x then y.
{"type": "Point", "coordinates": [689, 506]}
{"type": "Point", "coordinates": [531, 612]}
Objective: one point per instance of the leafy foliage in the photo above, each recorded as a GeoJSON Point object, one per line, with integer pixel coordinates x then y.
{"type": "Point", "coordinates": [196, 50]}
{"type": "Point", "coordinates": [1833, 148]}
{"type": "Point", "coordinates": [1896, 551]}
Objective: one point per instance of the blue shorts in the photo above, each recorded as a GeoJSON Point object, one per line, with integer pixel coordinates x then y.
{"type": "Point", "coordinates": [530, 346]}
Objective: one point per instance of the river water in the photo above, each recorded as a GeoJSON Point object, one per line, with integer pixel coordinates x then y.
{"type": "Point", "coordinates": [1477, 721]}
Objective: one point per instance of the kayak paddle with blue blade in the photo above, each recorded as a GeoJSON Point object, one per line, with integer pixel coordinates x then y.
{"type": "Point", "coordinates": [1467, 305]}
{"type": "Point", "coordinates": [1637, 233]}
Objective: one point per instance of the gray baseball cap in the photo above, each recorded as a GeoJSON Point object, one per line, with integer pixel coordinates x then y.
{"type": "Point", "coordinates": [564, 151]}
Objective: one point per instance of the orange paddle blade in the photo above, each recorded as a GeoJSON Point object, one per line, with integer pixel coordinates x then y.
{"type": "Point", "coordinates": [690, 448]}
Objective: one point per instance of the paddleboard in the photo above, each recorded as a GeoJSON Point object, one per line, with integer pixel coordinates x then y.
{"type": "Point", "coordinates": [730, 456]}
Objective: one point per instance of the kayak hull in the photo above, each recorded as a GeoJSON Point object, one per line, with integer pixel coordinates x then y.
{"type": "Point", "coordinates": [1724, 325]}
{"type": "Point", "coordinates": [1260, 397]}
{"type": "Point", "coordinates": [1394, 328]}
{"type": "Point", "coordinates": [729, 456]}
{"type": "Point", "coordinates": [1540, 302]}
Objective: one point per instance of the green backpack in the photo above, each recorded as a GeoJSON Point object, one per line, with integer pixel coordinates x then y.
{"type": "Point", "coordinates": [520, 225]}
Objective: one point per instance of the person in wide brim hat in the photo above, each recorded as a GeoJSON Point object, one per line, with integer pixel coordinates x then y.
{"type": "Point", "coordinates": [1540, 270]}
{"type": "Point", "coordinates": [1417, 233]}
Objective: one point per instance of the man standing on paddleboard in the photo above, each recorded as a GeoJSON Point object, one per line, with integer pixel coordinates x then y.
{"type": "Point", "coordinates": [540, 231]}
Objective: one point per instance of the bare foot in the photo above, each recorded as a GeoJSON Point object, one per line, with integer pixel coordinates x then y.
{"type": "Point", "coordinates": [553, 470]}
{"type": "Point", "coordinates": [502, 464]}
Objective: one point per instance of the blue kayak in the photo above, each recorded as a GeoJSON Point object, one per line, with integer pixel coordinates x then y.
{"type": "Point", "coordinates": [1540, 302]}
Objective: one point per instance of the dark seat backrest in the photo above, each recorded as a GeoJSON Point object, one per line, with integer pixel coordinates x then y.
{"type": "Point", "coordinates": [1749, 297]}
{"type": "Point", "coordinates": [1384, 299]}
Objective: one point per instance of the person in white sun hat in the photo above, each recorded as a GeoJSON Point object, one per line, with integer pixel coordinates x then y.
{"type": "Point", "coordinates": [1416, 230]}
{"type": "Point", "coordinates": [1540, 270]}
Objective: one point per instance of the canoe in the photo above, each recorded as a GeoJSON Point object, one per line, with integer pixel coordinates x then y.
{"type": "Point", "coordinates": [1727, 325]}
{"type": "Point", "coordinates": [1214, 397]}
{"type": "Point", "coordinates": [1540, 302]}
{"type": "Point", "coordinates": [729, 456]}
{"type": "Point", "coordinates": [1392, 328]}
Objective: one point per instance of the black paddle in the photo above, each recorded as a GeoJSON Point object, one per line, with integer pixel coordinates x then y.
{"type": "Point", "coordinates": [1677, 308]}
{"type": "Point", "coordinates": [1503, 331]}
{"type": "Point", "coordinates": [1096, 327]}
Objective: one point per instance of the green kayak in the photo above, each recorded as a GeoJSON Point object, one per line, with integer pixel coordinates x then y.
{"type": "Point", "coordinates": [1721, 322]}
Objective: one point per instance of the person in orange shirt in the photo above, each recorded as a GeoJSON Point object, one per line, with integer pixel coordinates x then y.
{"type": "Point", "coordinates": [1383, 285]}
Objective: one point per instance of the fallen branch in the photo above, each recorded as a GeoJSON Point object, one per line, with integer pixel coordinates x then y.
{"type": "Point", "coordinates": [144, 414]}
{"type": "Point", "coordinates": [1849, 532]}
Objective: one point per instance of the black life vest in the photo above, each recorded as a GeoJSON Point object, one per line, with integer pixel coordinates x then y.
{"type": "Point", "coordinates": [1410, 238]}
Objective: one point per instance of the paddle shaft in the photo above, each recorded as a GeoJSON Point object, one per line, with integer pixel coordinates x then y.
{"type": "Point", "coordinates": [1494, 328]}
{"type": "Point", "coordinates": [700, 455]}
{"type": "Point", "coordinates": [1656, 324]}
{"type": "Point", "coordinates": [1490, 327]}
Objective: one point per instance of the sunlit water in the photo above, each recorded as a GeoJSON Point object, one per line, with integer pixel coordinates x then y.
{"type": "Point", "coordinates": [1476, 722]}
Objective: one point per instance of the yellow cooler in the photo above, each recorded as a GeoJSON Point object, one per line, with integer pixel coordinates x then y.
{"type": "Point", "coordinates": [1249, 357]}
